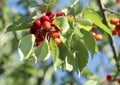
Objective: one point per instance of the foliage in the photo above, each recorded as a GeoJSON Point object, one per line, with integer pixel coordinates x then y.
{"type": "Point", "coordinates": [72, 56]}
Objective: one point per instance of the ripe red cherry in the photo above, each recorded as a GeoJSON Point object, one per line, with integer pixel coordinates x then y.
{"type": "Point", "coordinates": [50, 14]}
{"type": "Point", "coordinates": [59, 14]}
{"type": "Point", "coordinates": [98, 37]}
{"type": "Point", "coordinates": [118, 79]}
{"type": "Point", "coordinates": [44, 18]}
{"type": "Point", "coordinates": [46, 25]}
{"type": "Point", "coordinates": [38, 43]}
{"type": "Point", "coordinates": [58, 41]}
{"type": "Point", "coordinates": [117, 27]}
{"type": "Point", "coordinates": [54, 34]}
{"type": "Point", "coordinates": [34, 30]}
{"type": "Point", "coordinates": [109, 77]}
{"type": "Point", "coordinates": [114, 21]}
{"type": "Point", "coordinates": [114, 32]}
{"type": "Point", "coordinates": [37, 23]}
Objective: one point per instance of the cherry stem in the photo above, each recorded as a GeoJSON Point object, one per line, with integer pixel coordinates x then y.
{"type": "Point", "coordinates": [102, 9]}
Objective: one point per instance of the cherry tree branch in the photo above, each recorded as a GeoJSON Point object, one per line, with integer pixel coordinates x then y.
{"type": "Point", "coordinates": [74, 3]}
{"type": "Point", "coordinates": [111, 11]}
{"type": "Point", "coordinates": [101, 6]}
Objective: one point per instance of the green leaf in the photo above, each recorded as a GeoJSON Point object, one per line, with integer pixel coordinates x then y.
{"type": "Point", "coordinates": [62, 23]}
{"type": "Point", "coordinates": [82, 56]}
{"type": "Point", "coordinates": [96, 19]}
{"type": "Point", "coordinates": [70, 61]}
{"type": "Point", "coordinates": [20, 24]}
{"type": "Point", "coordinates": [91, 82]}
{"type": "Point", "coordinates": [85, 24]}
{"type": "Point", "coordinates": [55, 54]}
{"type": "Point", "coordinates": [42, 51]}
{"type": "Point", "coordinates": [89, 41]}
{"type": "Point", "coordinates": [25, 46]}
{"type": "Point", "coordinates": [81, 53]}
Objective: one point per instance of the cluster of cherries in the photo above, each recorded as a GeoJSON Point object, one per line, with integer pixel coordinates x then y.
{"type": "Point", "coordinates": [109, 77]}
{"type": "Point", "coordinates": [116, 22]}
{"type": "Point", "coordinates": [45, 28]}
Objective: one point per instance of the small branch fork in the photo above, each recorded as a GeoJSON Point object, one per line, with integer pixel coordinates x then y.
{"type": "Point", "coordinates": [102, 9]}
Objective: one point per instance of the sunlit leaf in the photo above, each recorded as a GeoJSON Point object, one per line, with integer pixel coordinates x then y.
{"type": "Point", "coordinates": [25, 46]}
{"type": "Point", "coordinates": [42, 51]}
{"type": "Point", "coordinates": [20, 24]}
{"type": "Point", "coordinates": [89, 41]}
{"type": "Point", "coordinates": [62, 23]}
{"type": "Point", "coordinates": [85, 24]}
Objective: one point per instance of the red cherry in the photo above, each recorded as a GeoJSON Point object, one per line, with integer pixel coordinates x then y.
{"type": "Point", "coordinates": [50, 14]}
{"type": "Point", "coordinates": [98, 37]}
{"type": "Point", "coordinates": [117, 27]}
{"type": "Point", "coordinates": [33, 30]}
{"type": "Point", "coordinates": [37, 23]}
{"type": "Point", "coordinates": [118, 79]}
{"type": "Point", "coordinates": [41, 36]}
{"type": "Point", "coordinates": [59, 14]}
{"type": "Point", "coordinates": [58, 41]}
{"type": "Point", "coordinates": [114, 21]}
{"type": "Point", "coordinates": [44, 18]}
{"type": "Point", "coordinates": [46, 25]}
{"type": "Point", "coordinates": [109, 77]}
{"type": "Point", "coordinates": [114, 32]}
{"type": "Point", "coordinates": [54, 34]}
{"type": "Point", "coordinates": [38, 43]}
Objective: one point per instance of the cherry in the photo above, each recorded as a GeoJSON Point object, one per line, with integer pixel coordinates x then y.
{"type": "Point", "coordinates": [114, 32]}
{"type": "Point", "coordinates": [114, 21]}
{"type": "Point", "coordinates": [118, 79]}
{"type": "Point", "coordinates": [50, 14]}
{"type": "Point", "coordinates": [54, 34]}
{"type": "Point", "coordinates": [37, 23]}
{"type": "Point", "coordinates": [109, 77]}
{"type": "Point", "coordinates": [38, 43]}
{"type": "Point", "coordinates": [98, 37]}
{"type": "Point", "coordinates": [117, 27]}
{"type": "Point", "coordinates": [59, 14]}
{"type": "Point", "coordinates": [33, 30]}
{"type": "Point", "coordinates": [58, 41]}
{"type": "Point", "coordinates": [46, 25]}
{"type": "Point", "coordinates": [44, 18]}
